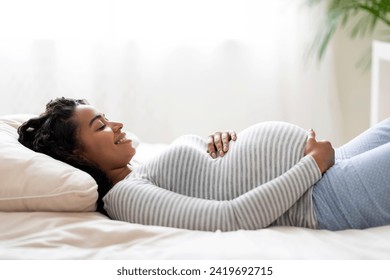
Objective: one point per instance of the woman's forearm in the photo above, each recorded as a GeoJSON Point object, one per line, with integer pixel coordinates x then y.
{"type": "Point", "coordinates": [144, 203]}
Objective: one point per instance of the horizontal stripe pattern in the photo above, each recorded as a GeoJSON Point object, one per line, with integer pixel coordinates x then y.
{"type": "Point", "coordinates": [263, 180]}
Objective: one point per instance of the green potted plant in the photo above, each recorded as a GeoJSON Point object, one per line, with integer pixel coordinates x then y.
{"type": "Point", "coordinates": [359, 17]}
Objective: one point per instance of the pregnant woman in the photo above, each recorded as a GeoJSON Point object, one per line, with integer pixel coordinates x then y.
{"type": "Point", "coordinates": [271, 175]}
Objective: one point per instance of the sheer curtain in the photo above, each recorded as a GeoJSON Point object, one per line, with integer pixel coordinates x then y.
{"type": "Point", "coordinates": [167, 68]}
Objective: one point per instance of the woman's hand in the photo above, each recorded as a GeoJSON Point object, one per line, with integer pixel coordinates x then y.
{"type": "Point", "coordinates": [322, 151]}
{"type": "Point", "coordinates": [218, 143]}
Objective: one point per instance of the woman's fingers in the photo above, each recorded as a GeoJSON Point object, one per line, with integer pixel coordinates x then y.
{"type": "Point", "coordinates": [233, 135]}
{"type": "Point", "coordinates": [218, 143]}
{"type": "Point", "coordinates": [226, 137]}
{"type": "Point", "coordinates": [215, 145]}
{"type": "Point", "coordinates": [211, 147]}
{"type": "Point", "coordinates": [310, 142]}
{"type": "Point", "coordinates": [311, 135]}
{"type": "Point", "coordinates": [225, 142]}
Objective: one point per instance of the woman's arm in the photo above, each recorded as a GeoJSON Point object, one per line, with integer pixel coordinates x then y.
{"type": "Point", "coordinates": [137, 200]}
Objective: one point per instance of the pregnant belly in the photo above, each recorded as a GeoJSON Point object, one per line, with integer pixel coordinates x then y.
{"type": "Point", "coordinates": [261, 153]}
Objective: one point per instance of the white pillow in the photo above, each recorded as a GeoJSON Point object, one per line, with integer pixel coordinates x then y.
{"type": "Point", "coordinates": [31, 181]}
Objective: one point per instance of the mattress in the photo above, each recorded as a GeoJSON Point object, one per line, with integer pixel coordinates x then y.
{"type": "Point", "coordinates": [90, 235]}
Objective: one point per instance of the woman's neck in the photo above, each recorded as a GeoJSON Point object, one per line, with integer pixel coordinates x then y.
{"type": "Point", "coordinates": [118, 174]}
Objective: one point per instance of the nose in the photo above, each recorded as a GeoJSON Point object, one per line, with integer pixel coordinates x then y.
{"type": "Point", "coordinates": [116, 126]}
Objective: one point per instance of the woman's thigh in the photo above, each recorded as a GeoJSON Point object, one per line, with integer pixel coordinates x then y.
{"type": "Point", "coordinates": [374, 137]}
{"type": "Point", "coordinates": [355, 192]}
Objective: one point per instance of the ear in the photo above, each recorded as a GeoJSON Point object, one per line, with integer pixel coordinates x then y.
{"type": "Point", "coordinates": [79, 155]}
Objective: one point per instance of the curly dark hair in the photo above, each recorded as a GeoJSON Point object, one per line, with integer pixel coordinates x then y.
{"type": "Point", "coordinates": [54, 133]}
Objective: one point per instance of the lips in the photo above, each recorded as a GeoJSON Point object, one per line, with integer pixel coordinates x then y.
{"type": "Point", "coordinates": [122, 138]}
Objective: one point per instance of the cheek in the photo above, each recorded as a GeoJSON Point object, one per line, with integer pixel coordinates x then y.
{"type": "Point", "coordinates": [97, 150]}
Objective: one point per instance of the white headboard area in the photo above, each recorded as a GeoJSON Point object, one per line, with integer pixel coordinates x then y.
{"type": "Point", "coordinates": [380, 82]}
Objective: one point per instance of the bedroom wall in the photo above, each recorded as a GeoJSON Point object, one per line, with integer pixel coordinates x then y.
{"type": "Point", "coordinates": [353, 83]}
{"type": "Point", "coordinates": [353, 80]}
{"type": "Point", "coordinates": [175, 89]}
{"type": "Point", "coordinates": [164, 79]}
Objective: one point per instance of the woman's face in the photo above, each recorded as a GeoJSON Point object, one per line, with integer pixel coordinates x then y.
{"type": "Point", "coordinates": [102, 141]}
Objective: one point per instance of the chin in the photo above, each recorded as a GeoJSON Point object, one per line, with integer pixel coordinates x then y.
{"type": "Point", "coordinates": [133, 151]}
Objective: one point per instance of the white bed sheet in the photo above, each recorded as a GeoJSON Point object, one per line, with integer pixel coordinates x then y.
{"type": "Point", "coordinates": [53, 235]}
{"type": "Point", "coordinates": [49, 235]}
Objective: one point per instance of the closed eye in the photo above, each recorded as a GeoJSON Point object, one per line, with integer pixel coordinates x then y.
{"type": "Point", "coordinates": [102, 127]}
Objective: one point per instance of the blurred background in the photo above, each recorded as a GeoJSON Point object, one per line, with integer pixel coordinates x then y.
{"type": "Point", "coordinates": [168, 67]}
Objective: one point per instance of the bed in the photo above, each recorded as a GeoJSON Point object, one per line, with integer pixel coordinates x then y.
{"type": "Point", "coordinates": [47, 211]}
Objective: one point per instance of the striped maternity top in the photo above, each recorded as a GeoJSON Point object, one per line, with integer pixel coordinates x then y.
{"type": "Point", "coordinates": [263, 180]}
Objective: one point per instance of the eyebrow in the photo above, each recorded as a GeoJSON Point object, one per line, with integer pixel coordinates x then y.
{"type": "Point", "coordinates": [94, 119]}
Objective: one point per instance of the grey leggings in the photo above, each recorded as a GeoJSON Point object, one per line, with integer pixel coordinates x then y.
{"type": "Point", "coordinates": [355, 192]}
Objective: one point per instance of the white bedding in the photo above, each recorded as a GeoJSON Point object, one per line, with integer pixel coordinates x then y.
{"type": "Point", "coordinates": [49, 235]}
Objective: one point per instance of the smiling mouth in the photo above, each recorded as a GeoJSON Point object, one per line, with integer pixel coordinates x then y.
{"type": "Point", "coordinates": [122, 139]}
